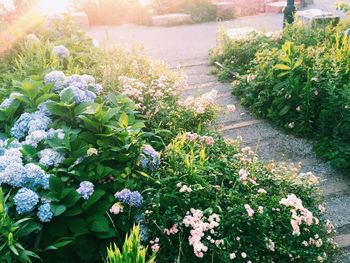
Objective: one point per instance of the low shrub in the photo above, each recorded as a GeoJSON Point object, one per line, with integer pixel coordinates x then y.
{"type": "Point", "coordinates": [209, 201]}
{"type": "Point", "coordinates": [300, 82]}
{"type": "Point", "coordinates": [236, 55]}
{"type": "Point", "coordinates": [200, 10]}
{"type": "Point", "coordinates": [133, 252]}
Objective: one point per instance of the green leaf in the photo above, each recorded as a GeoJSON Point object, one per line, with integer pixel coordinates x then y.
{"type": "Point", "coordinates": [78, 226]}
{"type": "Point", "coordinates": [67, 96]}
{"type": "Point", "coordinates": [285, 59]}
{"type": "Point", "coordinates": [57, 209]}
{"type": "Point", "coordinates": [62, 242]}
{"type": "Point", "coordinates": [71, 198]}
{"type": "Point", "coordinates": [284, 110]}
{"type": "Point", "coordinates": [45, 97]}
{"type": "Point", "coordinates": [124, 120]}
{"type": "Point", "coordinates": [282, 67]}
{"type": "Point", "coordinates": [100, 224]}
{"type": "Point", "coordinates": [282, 74]}
{"type": "Point", "coordinates": [298, 63]}
{"type": "Point", "coordinates": [56, 184]}
{"type": "Point", "coordinates": [73, 211]}
{"type": "Point", "coordinates": [94, 198]}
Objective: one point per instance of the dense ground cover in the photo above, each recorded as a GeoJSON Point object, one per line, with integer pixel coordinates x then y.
{"type": "Point", "coordinates": [299, 80]}
{"type": "Point", "coordinates": [96, 139]}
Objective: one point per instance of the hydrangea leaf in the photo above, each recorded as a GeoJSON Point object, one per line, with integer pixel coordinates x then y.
{"type": "Point", "coordinates": [94, 198]}
{"type": "Point", "coordinates": [100, 224]}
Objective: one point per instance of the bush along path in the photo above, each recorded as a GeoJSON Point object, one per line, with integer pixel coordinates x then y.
{"type": "Point", "coordinates": [270, 143]}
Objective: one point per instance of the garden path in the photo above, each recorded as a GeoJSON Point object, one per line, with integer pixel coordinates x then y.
{"type": "Point", "coordinates": [185, 48]}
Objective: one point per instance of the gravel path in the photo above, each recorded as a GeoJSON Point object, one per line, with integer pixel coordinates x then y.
{"type": "Point", "coordinates": [188, 46]}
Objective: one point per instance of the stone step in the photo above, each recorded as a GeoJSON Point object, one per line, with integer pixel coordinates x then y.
{"type": "Point", "coordinates": [343, 241]}
{"type": "Point", "coordinates": [239, 124]}
{"type": "Point", "coordinates": [200, 89]}
{"type": "Point", "coordinates": [195, 79]}
{"type": "Point", "coordinates": [338, 210]}
{"type": "Point", "coordinates": [253, 134]}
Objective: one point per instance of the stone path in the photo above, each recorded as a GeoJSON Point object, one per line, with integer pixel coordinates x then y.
{"type": "Point", "coordinates": [188, 46]}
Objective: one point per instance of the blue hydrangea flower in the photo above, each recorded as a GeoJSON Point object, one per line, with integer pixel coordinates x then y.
{"type": "Point", "coordinates": [39, 122]}
{"type": "Point", "coordinates": [79, 95]}
{"type": "Point", "coordinates": [44, 213]}
{"type": "Point", "coordinates": [25, 200]}
{"type": "Point", "coordinates": [12, 143]}
{"type": "Point", "coordinates": [57, 78]}
{"type": "Point", "coordinates": [52, 133]}
{"type": "Point", "coordinates": [34, 138]}
{"type": "Point", "coordinates": [97, 88]}
{"type": "Point", "coordinates": [149, 158]}
{"type": "Point", "coordinates": [50, 158]}
{"type": "Point", "coordinates": [76, 81]}
{"type": "Point", "coordinates": [6, 103]}
{"type": "Point", "coordinates": [15, 174]}
{"type": "Point", "coordinates": [88, 79]}
{"type": "Point", "coordinates": [36, 176]}
{"type": "Point", "coordinates": [61, 51]}
{"type": "Point", "coordinates": [21, 126]}
{"type": "Point", "coordinates": [43, 109]}
{"type": "Point", "coordinates": [2, 147]}
{"type": "Point", "coordinates": [132, 198]}
{"type": "Point", "coordinates": [86, 189]}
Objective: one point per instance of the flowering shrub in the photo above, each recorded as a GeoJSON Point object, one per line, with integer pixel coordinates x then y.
{"type": "Point", "coordinates": [300, 82]}
{"type": "Point", "coordinates": [212, 202]}
{"type": "Point", "coordinates": [61, 144]}
{"type": "Point", "coordinates": [154, 88]}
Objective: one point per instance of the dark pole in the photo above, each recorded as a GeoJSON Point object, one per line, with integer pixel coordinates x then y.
{"type": "Point", "coordinates": [289, 13]}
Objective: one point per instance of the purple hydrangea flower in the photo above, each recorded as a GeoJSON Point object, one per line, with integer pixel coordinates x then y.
{"type": "Point", "coordinates": [86, 189]}
{"type": "Point", "coordinates": [132, 198]}
{"type": "Point", "coordinates": [61, 51]}
{"type": "Point", "coordinates": [25, 200]}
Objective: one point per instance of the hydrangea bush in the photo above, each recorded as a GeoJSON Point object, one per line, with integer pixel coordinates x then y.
{"type": "Point", "coordinates": [61, 145]}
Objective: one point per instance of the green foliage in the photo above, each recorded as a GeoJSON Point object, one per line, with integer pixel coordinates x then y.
{"type": "Point", "coordinates": [200, 10]}
{"type": "Point", "coordinates": [213, 173]}
{"type": "Point", "coordinates": [300, 81]}
{"type": "Point", "coordinates": [133, 252]}
{"type": "Point", "coordinates": [11, 231]}
{"type": "Point", "coordinates": [236, 55]}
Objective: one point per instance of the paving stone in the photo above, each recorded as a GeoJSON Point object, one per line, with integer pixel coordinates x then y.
{"type": "Point", "coordinates": [253, 134]}
{"type": "Point", "coordinates": [200, 79]}
{"type": "Point", "coordinates": [338, 210]}
{"type": "Point", "coordinates": [284, 147]}
{"type": "Point", "coordinates": [197, 90]}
